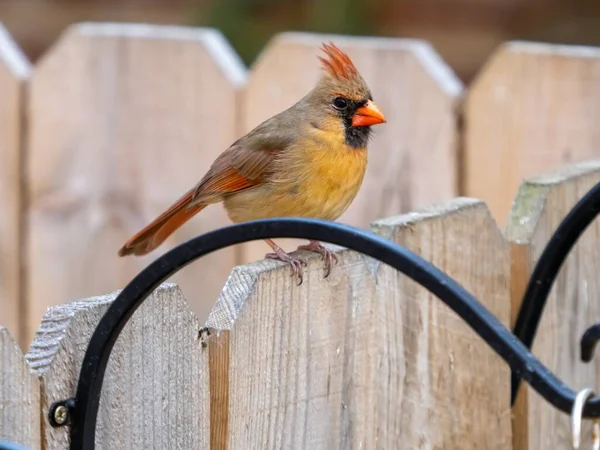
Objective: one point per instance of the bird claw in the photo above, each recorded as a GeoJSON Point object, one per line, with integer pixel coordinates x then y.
{"type": "Point", "coordinates": [326, 254]}
{"type": "Point", "coordinates": [295, 262]}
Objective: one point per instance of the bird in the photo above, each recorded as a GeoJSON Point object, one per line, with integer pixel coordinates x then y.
{"type": "Point", "coordinates": [307, 161]}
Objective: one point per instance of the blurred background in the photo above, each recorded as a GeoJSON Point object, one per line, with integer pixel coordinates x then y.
{"type": "Point", "coordinates": [464, 32]}
{"type": "Point", "coordinates": [530, 115]}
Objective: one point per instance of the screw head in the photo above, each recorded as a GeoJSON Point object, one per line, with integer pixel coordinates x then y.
{"type": "Point", "coordinates": [61, 414]}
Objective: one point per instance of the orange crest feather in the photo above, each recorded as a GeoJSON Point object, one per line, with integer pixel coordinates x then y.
{"type": "Point", "coordinates": [338, 64]}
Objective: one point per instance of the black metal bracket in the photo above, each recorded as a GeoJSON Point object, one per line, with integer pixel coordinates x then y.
{"type": "Point", "coordinates": [83, 409]}
{"type": "Point", "coordinates": [589, 339]}
{"type": "Point", "coordinates": [546, 270]}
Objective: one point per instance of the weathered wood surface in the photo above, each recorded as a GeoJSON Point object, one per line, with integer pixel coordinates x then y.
{"type": "Point", "coordinates": [366, 357]}
{"type": "Point", "coordinates": [156, 388]}
{"type": "Point", "coordinates": [572, 306]}
{"type": "Point", "coordinates": [124, 119]}
{"type": "Point", "coordinates": [288, 350]}
{"type": "Point", "coordinates": [532, 108]}
{"type": "Point", "coordinates": [412, 158]}
{"type": "Point", "coordinates": [455, 390]}
{"type": "Point", "coordinates": [14, 72]}
{"type": "Point", "coordinates": [19, 396]}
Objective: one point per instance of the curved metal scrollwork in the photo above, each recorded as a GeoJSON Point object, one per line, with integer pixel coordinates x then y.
{"type": "Point", "coordinates": [589, 339]}
{"type": "Point", "coordinates": [524, 365]}
{"type": "Point", "coordinates": [546, 270]}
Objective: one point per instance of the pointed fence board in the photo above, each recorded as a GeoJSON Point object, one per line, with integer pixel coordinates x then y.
{"type": "Point", "coordinates": [532, 108]}
{"type": "Point", "coordinates": [572, 306]}
{"type": "Point", "coordinates": [14, 72]}
{"type": "Point", "coordinates": [19, 396]}
{"type": "Point", "coordinates": [125, 118]}
{"type": "Point", "coordinates": [412, 157]}
{"type": "Point", "coordinates": [289, 347]}
{"type": "Point", "coordinates": [454, 388]}
{"type": "Point", "coordinates": [155, 391]}
{"type": "Point", "coordinates": [365, 356]}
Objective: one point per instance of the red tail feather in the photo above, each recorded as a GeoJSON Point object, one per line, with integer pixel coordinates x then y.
{"type": "Point", "coordinates": [161, 228]}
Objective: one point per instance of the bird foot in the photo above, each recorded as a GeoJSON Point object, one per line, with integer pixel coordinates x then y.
{"type": "Point", "coordinates": [295, 262]}
{"type": "Point", "coordinates": [326, 254]}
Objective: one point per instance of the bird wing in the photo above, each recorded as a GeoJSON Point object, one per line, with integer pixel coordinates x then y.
{"type": "Point", "coordinates": [236, 169]}
{"type": "Point", "coordinates": [250, 160]}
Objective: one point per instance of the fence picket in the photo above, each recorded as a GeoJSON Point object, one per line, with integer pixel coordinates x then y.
{"type": "Point", "coordinates": [439, 365]}
{"type": "Point", "coordinates": [365, 355]}
{"type": "Point", "coordinates": [412, 160]}
{"type": "Point", "coordinates": [541, 204]}
{"type": "Point", "coordinates": [156, 387]}
{"type": "Point", "coordinates": [118, 120]}
{"type": "Point", "coordinates": [125, 118]}
{"type": "Point", "coordinates": [14, 72]}
{"type": "Point", "coordinates": [285, 373]}
{"type": "Point", "coordinates": [19, 396]}
{"type": "Point", "coordinates": [532, 108]}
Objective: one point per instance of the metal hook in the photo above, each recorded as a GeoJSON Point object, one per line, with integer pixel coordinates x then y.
{"type": "Point", "coordinates": [546, 270]}
{"type": "Point", "coordinates": [588, 342]}
{"type": "Point", "coordinates": [576, 419]}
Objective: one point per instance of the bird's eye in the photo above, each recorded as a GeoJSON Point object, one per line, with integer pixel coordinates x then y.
{"type": "Point", "coordinates": [340, 103]}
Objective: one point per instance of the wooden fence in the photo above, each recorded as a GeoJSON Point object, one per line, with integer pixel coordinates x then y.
{"type": "Point", "coordinates": [110, 126]}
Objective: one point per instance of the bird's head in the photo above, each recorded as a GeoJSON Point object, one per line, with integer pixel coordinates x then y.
{"type": "Point", "coordinates": [342, 93]}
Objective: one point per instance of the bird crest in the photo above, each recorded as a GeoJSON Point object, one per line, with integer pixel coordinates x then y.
{"type": "Point", "coordinates": [337, 64]}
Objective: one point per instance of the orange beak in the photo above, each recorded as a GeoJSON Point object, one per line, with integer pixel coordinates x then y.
{"type": "Point", "coordinates": [367, 115]}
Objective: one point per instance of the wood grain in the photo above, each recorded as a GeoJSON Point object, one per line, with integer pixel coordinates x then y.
{"type": "Point", "coordinates": [156, 388]}
{"type": "Point", "coordinates": [542, 202]}
{"type": "Point", "coordinates": [219, 390]}
{"type": "Point", "coordinates": [19, 396]}
{"type": "Point", "coordinates": [532, 108]}
{"type": "Point", "coordinates": [413, 157]}
{"type": "Point", "coordinates": [14, 72]}
{"type": "Point", "coordinates": [124, 119]}
{"type": "Point", "coordinates": [290, 350]}
{"type": "Point", "coordinates": [365, 358]}
{"type": "Point", "coordinates": [453, 391]}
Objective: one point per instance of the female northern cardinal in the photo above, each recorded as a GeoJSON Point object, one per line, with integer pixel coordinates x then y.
{"type": "Point", "coordinates": [307, 161]}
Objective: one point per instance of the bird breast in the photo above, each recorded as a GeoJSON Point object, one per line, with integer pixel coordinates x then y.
{"type": "Point", "coordinates": [319, 180]}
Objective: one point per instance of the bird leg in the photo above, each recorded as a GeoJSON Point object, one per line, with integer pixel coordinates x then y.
{"type": "Point", "coordinates": [326, 254]}
{"type": "Point", "coordinates": [281, 255]}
